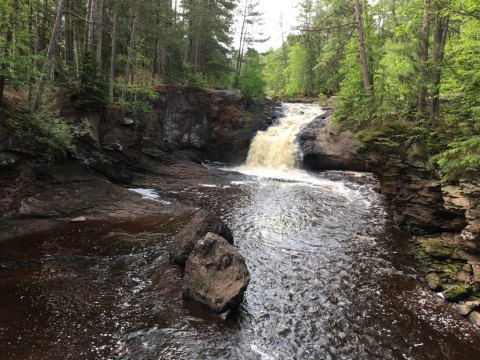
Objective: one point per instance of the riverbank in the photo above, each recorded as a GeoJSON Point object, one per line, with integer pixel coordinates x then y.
{"type": "Point", "coordinates": [113, 153]}
{"type": "Point", "coordinates": [445, 217]}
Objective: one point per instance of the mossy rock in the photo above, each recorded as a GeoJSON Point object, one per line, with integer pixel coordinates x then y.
{"type": "Point", "coordinates": [437, 248]}
{"type": "Point", "coordinates": [456, 293]}
{"type": "Point", "coordinates": [453, 268]}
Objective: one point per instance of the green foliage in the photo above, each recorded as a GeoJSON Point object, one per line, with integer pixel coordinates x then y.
{"type": "Point", "coordinates": [274, 72]}
{"type": "Point", "coordinates": [251, 81]}
{"type": "Point", "coordinates": [460, 161]}
{"type": "Point", "coordinates": [295, 72]}
{"type": "Point", "coordinates": [138, 106]}
{"type": "Point", "coordinates": [196, 81]}
{"type": "Point", "coordinates": [395, 92]}
{"type": "Point", "coordinates": [41, 131]}
{"type": "Point", "coordinates": [389, 135]}
{"type": "Point", "coordinates": [92, 87]}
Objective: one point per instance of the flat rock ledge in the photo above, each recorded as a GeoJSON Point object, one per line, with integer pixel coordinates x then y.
{"type": "Point", "coordinates": [200, 225]}
{"type": "Point", "coordinates": [216, 274]}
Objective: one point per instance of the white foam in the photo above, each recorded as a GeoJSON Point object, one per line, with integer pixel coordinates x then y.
{"type": "Point", "coordinates": [150, 194]}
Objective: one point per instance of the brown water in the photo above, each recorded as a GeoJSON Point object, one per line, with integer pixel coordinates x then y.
{"type": "Point", "coordinates": [331, 279]}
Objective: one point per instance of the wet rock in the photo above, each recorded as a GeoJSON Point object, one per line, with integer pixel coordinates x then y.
{"type": "Point", "coordinates": [325, 147]}
{"type": "Point", "coordinates": [215, 274]}
{"type": "Point", "coordinates": [434, 281]}
{"type": "Point", "coordinates": [201, 224]}
{"type": "Point", "coordinates": [463, 276]}
{"type": "Point", "coordinates": [456, 293]}
{"type": "Point", "coordinates": [467, 307]}
{"type": "Point", "coordinates": [474, 317]}
{"type": "Point", "coordinates": [476, 270]}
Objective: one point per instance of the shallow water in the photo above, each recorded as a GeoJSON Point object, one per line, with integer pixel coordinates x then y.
{"type": "Point", "coordinates": [330, 280]}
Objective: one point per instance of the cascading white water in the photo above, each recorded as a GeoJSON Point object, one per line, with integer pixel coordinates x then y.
{"type": "Point", "coordinates": [275, 148]}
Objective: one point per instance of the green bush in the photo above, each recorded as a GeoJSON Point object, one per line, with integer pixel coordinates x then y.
{"type": "Point", "coordinates": [136, 104]}
{"type": "Point", "coordinates": [92, 86]}
{"type": "Point", "coordinates": [196, 81]}
{"type": "Point", "coordinates": [41, 131]}
{"type": "Point", "coordinates": [460, 161]}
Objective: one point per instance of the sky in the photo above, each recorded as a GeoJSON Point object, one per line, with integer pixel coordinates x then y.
{"type": "Point", "coordinates": [272, 10]}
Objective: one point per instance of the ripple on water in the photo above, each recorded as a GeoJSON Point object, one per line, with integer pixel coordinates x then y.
{"type": "Point", "coordinates": [330, 280]}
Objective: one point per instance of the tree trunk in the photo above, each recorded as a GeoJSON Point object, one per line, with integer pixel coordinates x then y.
{"type": "Point", "coordinates": [240, 47]}
{"type": "Point", "coordinates": [113, 57]}
{"type": "Point", "coordinates": [69, 52]}
{"type": "Point", "coordinates": [30, 49]}
{"type": "Point", "coordinates": [439, 40]}
{"type": "Point", "coordinates": [50, 53]}
{"type": "Point", "coordinates": [361, 48]}
{"type": "Point", "coordinates": [424, 47]}
{"type": "Point", "coordinates": [91, 18]}
{"type": "Point", "coordinates": [100, 32]}
{"type": "Point", "coordinates": [128, 63]}
{"type": "Point", "coordinates": [8, 44]}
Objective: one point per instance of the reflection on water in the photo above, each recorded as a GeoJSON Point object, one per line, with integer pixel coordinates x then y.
{"type": "Point", "coordinates": [330, 280]}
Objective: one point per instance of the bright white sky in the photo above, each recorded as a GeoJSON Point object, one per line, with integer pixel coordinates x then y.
{"type": "Point", "coordinates": [272, 10]}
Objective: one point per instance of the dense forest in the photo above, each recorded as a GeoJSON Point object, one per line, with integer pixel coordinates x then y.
{"type": "Point", "coordinates": [399, 72]}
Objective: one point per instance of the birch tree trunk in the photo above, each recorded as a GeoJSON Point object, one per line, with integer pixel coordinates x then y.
{"type": "Point", "coordinates": [91, 18]}
{"type": "Point", "coordinates": [50, 53]}
{"type": "Point", "coordinates": [128, 63]}
{"type": "Point", "coordinates": [100, 33]}
{"type": "Point", "coordinates": [361, 48]}
{"type": "Point", "coordinates": [113, 57]}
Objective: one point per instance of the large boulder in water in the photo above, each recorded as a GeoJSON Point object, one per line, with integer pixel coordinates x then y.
{"type": "Point", "coordinates": [215, 274]}
{"type": "Point", "coordinates": [200, 225]}
{"type": "Point", "coordinates": [325, 147]}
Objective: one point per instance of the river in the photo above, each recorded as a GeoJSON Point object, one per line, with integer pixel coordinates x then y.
{"type": "Point", "coordinates": [331, 277]}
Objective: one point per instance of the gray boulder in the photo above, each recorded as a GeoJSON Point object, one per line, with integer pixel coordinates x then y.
{"type": "Point", "coordinates": [215, 274]}
{"type": "Point", "coordinates": [200, 225]}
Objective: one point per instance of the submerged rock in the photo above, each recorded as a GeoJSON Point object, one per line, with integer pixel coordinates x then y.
{"type": "Point", "coordinates": [201, 224]}
{"type": "Point", "coordinates": [215, 274]}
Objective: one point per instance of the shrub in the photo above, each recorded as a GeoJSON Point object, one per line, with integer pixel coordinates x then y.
{"type": "Point", "coordinates": [42, 131]}
{"type": "Point", "coordinates": [460, 161]}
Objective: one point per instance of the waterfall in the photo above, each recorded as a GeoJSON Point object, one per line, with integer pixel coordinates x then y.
{"type": "Point", "coordinates": [276, 148]}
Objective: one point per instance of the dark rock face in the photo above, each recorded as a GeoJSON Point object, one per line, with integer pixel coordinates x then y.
{"type": "Point", "coordinates": [325, 147]}
{"type": "Point", "coordinates": [414, 194]}
{"type": "Point", "coordinates": [15, 176]}
{"type": "Point", "coordinates": [215, 274]}
{"type": "Point", "coordinates": [219, 123]}
{"type": "Point", "coordinates": [201, 224]}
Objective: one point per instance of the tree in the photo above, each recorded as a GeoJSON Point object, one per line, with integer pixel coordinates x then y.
{"type": "Point", "coordinates": [251, 81]}
{"type": "Point", "coordinates": [296, 71]}
{"type": "Point", "coordinates": [361, 49]}
{"type": "Point", "coordinates": [50, 52]}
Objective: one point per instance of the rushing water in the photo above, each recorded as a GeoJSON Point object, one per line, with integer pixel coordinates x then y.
{"type": "Point", "coordinates": [331, 279]}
